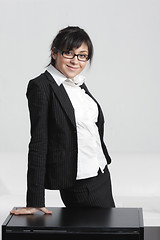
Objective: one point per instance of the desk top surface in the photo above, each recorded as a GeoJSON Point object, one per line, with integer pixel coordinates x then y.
{"type": "Point", "coordinates": [95, 218]}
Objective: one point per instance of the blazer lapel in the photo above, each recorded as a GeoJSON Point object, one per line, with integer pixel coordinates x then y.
{"type": "Point", "coordinates": [63, 98]}
{"type": "Point", "coordinates": [83, 86]}
{"type": "Point", "coordinates": [100, 115]}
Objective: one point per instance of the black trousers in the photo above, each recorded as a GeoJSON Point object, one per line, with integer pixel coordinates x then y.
{"type": "Point", "coordinates": [90, 192]}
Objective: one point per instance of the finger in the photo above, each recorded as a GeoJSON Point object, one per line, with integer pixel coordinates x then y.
{"type": "Point", "coordinates": [23, 211]}
{"type": "Point", "coordinates": [17, 211]}
{"type": "Point", "coordinates": [45, 210]}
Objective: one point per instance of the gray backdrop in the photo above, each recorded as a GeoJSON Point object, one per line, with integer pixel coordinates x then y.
{"type": "Point", "coordinates": [124, 76]}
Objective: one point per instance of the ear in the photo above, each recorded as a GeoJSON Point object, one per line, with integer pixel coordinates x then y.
{"type": "Point", "coordinates": [54, 54]}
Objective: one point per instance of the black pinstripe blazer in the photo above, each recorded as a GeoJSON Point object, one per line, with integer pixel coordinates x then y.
{"type": "Point", "coordinates": [52, 157]}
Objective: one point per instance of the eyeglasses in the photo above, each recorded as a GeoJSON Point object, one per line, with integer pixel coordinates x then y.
{"type": "Point", "coordinates": [70, 55]}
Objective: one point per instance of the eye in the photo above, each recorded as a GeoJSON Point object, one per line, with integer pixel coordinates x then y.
{"type": "Point", "coordinates": [68, 53]}
{"type": "Point", "coordinates": [82, 55]}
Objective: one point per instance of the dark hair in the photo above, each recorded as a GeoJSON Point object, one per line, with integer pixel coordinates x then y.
{"type": "Point", "coordinates": [70, 38]}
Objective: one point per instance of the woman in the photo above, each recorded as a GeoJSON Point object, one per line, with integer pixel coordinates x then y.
{"type": "Point", "coordinates": [66, 150]}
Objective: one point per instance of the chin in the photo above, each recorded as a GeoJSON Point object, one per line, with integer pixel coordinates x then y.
{"type": "Point", "coordinates": [71, 76]}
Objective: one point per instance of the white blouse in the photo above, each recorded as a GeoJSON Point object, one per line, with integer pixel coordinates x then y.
{"type": "Point", "coordinates": [90, 153]}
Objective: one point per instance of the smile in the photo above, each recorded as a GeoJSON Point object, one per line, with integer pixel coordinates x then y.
{"type": "Point", "coordinates": [73, 68]}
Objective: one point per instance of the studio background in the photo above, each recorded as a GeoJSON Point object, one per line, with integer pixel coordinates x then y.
{"type": "Point", "coordinates": [124, 77]}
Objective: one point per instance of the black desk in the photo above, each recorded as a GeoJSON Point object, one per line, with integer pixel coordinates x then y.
{"type": "Point", "coordinates": [77, 224]}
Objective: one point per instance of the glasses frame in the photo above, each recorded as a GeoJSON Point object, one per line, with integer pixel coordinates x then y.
{"type": "Point", "coordinates": [77, 55]}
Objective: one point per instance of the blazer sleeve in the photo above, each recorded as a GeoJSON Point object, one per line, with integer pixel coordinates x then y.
{"type": "Point", "coordinates": [38, 109]}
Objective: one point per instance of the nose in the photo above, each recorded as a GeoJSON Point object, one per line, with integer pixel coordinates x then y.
{"type": "Point", "coordinates": [74, 60]}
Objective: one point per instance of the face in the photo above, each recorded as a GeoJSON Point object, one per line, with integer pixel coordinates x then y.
{"type": "Point", "coordinates": [70, 67]}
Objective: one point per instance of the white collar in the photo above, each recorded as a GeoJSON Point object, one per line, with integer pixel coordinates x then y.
{"type": "Point", "coordinates": [60, 78]}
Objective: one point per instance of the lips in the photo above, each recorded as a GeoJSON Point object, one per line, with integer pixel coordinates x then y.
{"type": "Point", "coordinates": [72, 68]}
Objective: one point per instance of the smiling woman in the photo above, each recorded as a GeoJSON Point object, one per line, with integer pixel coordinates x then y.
{"type": "Point", "coordinates": [71, 63]}
{"type": "Point", "coordinates": [66, 150]}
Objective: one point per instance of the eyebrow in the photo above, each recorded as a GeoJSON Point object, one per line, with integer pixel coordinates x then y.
{"type": "Point", "coordinates": [83, 51]}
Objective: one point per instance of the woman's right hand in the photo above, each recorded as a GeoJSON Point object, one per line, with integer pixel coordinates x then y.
{"type": "Point", "coordinates": [30, 210]}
